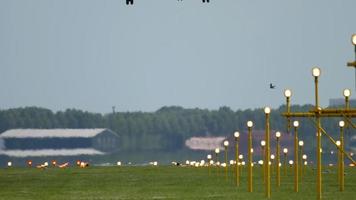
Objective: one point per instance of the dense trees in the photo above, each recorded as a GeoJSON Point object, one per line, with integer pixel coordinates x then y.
{"type": "Point", "coordinates": [165, 129]}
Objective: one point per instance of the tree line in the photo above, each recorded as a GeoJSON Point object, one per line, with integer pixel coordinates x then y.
{"type": "Point", "coordinates": [164, 129]}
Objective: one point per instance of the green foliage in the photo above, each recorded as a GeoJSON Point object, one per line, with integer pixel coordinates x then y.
{"type": "Point", "coordinates": [165, 129]}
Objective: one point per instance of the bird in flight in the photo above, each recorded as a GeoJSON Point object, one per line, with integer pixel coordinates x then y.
{"type": "Point", "coordinates": [271, 86]}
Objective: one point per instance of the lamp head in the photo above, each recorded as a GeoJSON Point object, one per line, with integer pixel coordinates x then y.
{"type": "Point", "coordinates": [241, 156]}
{"type": "Point", "coordinates": [278, 134]}
{"type": "Point", "coordinates": [249, 124]}
{"type": "Point", "coordinates": [347, 93]}
{"type": "Point", "coordinates": [338, 143]}
{"type": "Point", "coordinates": [291, 162]}
{"type": "Point", "coordinates": [341, 124]}
{"type": "Point", "coordinates": [316, 71]}
{"type": "Point", "coordinates": [272, 156]}
{"type": "Point", "coordinates": [263, 143]}
{"type": "Point", "coordinates": [304, 157]}
{"type": "Point", "coordinates": [236, 134]}
{"type": "Point", "coordinates": [267, 110]}
{"type": "Point", "coordinates": [287, 93]}
{"type": "Point", "coordinates": [285, 150]}
{"type": "Point", "coordinates": [217, 150]}
{"type": "Point", "coordinates": [301, 143]}
{"type": "Point", "coordinates": [209, 157]}
{"type": "Point", "coordinates": [226, 143]}
{"type": "Point", "coordinates": [353, 39]}
{"type": "Point", "coordinates": [296, 124]}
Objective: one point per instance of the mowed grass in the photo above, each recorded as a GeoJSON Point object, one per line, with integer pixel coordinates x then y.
{"type": "Point", "coordinates": [163, 182]}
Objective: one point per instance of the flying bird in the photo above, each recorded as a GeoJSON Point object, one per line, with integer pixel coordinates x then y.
{"type": "Point", "coordinates": [271, 86]}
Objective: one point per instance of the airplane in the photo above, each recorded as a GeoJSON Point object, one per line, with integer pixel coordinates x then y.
{"type": "Point", "coordinates": [271, 86]}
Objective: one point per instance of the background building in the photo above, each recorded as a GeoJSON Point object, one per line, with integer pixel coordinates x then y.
{"type": "Point", "coordinates": [58, 142]}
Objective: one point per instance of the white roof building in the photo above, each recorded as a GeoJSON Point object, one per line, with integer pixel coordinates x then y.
{"type": "Point", "coordinates": [51, 133]}
{"type": "Point", "coordinates": [57, 142]}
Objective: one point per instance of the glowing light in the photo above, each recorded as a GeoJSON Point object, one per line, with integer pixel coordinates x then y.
{"type": "Point", "coordinates": [263, 143]}
{"type": "Point", "coordinates": [249, 124]}
{"type": "Point", "coordinates": [226, 143]}
{"type": "Point", "coordinates": [341, 124]}
{"type": "Point", "coordinates": [296, 124]}
{"type": "Point", "coordinates": [301, 143]}
{"type": "Point", "coordinates": [353, 39]}
{"type": "Point", "coordinates": [347, 93]}
{"type": "Point", "coordinates": [285, 150]}
{"type": "Point", "coordinates": [278, 134]}
{"type": "Point", "coordinates": [287, 93]}
{"type": "Point", "coordinates": [236, 134]}
{"type": "Point", "coordinates": [316, 72]}
{"type": "Point", "coordinates": [217, 150]}
{"type": "Point", "coordinates": [202, 162]}
{"type": "Point", "coordinates": [267, 110]}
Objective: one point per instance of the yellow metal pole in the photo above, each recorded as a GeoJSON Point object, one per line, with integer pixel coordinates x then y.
{"type": "Point", "coordinates": [288, 111]}
{"type": "Point", "coordinates": [217, 160]}
{"type": "Point", "coordinates": [296, 159]}
{"type": "Point", "coordinates": [301, 163]}
{"type": "Point", "coordinates": [226, 167]}
{"type": "Point", "coordinates": [277, 164]}
{"type": "Point", "coordinates": [341, 173]}
{"type": "Point", "coordinates": [209, 166]}
{"type": "Point", "coordinates": [240, 168]}
{"type": "Point", "coordinates": [285, 164]}
{"type": "Point", "coordinates": [249, 159]}
{"type": "Point", "coordinates": [267, 156]}
{"type": "Point", "coordinates": [318, 150]}
{"type": "Point", "coordinates": [237, 161]}
{"type": "Point", "coordinates": [342, 163]}
{"type": "Point", "coordinates": [263, 165]}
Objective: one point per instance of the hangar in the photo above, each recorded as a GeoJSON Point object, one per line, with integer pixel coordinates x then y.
{"type": "Point", "coordinates": [58, 142]}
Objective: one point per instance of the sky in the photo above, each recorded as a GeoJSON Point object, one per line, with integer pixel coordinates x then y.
{"type": "Point", "coordinates": [95, 54]}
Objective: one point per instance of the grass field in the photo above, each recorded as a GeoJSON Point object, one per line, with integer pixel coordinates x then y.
{"type": "Point", "coordinates": [162, 182]}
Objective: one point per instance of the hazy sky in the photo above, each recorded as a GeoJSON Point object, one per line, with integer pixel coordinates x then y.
{"type": "Point", "coordinates": [93, 54]}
